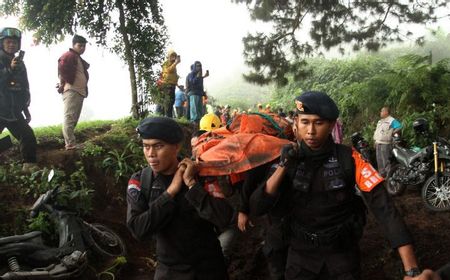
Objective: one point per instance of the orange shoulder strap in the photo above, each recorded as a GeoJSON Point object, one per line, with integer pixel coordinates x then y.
{"type": "Point", "coordinates": [366, 176]}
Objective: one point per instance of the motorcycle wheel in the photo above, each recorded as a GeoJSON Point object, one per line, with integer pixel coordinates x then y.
{"type": "Point", "coordinates": [436, 195]}
{"type": "Point", "coordinates": [393, 186]}
{"type": "Point", "coordinates": [106, 242]}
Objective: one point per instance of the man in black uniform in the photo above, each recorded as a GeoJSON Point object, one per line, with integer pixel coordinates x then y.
{"type": "Point", "coordinates": [166, 200]}
{"type": "Point", "coordinates": [316, 180]}
{"type": "Point", "coordinates": [15, 96]}
{"type": "Point", "coordinates": [275, 236]}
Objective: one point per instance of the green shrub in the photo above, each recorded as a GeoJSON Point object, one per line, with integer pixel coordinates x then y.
{"type": "Point", "coordinates": [122, 164]}
{"type": "Point", "coordinates": [92, 150]}
{"type": "Point", "coordinates": [41, 223]}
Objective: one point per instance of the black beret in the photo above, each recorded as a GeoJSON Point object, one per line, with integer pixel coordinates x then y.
{"type": "Point", "coordinates": [161, 128]}
{"type": "Point", "coordinates": [317, 103]}
{"type": "Point", "coordinates": [78, 39]}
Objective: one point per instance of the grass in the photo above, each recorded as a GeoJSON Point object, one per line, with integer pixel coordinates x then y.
{"type": "Point", "coordinates": [48, 131]}
{"type": "Point", "coordinates": [94, 124]}
{"type": "Point", "coordinates": [55, 131]}
{"type": "Point", "coordinates": [118, 127]}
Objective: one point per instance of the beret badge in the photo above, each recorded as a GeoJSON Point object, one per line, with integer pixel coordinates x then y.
{"type": "Point", "coordinates": [299, 105]}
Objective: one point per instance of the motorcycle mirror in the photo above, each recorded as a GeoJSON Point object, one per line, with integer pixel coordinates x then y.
{"type": "Point", "coordinates": [50, 175]}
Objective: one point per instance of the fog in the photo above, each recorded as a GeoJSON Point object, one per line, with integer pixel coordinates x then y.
{"type": "Point", "coordinates": [204, 30]}
{"type": "Point", "coordinates": [199, 30]}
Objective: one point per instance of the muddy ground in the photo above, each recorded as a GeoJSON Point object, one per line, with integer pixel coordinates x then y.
{"type": "Point", "coordinates": [430, 230]}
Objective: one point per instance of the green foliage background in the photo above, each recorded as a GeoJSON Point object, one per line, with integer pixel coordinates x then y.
{"type": "Point", "coordinates": [408, 80]}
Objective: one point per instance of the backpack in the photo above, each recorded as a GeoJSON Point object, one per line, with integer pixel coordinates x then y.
{"type": "Point", "coordinates": [345, 152]}
{"type": "Point", "coordinates": [348, 168]}
{"type": "Point", "coordinates": [146, 180]}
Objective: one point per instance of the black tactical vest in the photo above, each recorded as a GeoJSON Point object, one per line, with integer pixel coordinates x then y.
{"type": "Point", "coordinates": [324, 194]}
{"type": "Point", "coordinates": [191, 236]}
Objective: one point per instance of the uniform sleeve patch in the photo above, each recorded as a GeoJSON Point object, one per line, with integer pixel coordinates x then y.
{"type": "Point", "coordinates": [366, 176]}
{"type": "Point", "coordinates": [213, 189]}
{"type": "Point", "coordinates": [133, 183]}
{"type": "Point", "coordinates": [134, 189]}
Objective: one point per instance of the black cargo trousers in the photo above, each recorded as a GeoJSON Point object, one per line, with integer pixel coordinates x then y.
{"type": "Point", "coordinates": [22, 131]}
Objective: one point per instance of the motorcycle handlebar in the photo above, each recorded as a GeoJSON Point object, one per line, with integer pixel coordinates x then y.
{"type": "Point", "coordinates": [443, 140]}
{"type": "Point", "coordinates": [42, 200]}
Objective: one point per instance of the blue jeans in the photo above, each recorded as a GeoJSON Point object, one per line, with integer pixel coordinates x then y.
{"type": "Point", "coordinates": [196, 107]}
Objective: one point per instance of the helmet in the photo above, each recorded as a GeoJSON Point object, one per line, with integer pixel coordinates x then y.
{"type": "Point", "coordinates": [356, 138]}
{"type": "Point", "coordinates": [10, 32]}
{"type": "Point", "coordinates": [420, 125]}
{"type": "Point", "coordinates": [210, 122]}
{"type": "Point", "coordinates": [396, 138]}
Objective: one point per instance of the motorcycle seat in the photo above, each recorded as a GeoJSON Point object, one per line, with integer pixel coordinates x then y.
{"type": "Point", "coordinates": [20, 238]}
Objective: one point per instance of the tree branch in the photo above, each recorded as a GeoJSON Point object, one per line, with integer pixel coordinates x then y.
{"type": "Point", "coordinates": [297, 21]}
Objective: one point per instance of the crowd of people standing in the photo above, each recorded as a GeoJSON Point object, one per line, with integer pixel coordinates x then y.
{"type": "Point", "coordinates": [308, 192]}
{"type": "Point", "coordinates": [187, 100]}
{"type": "Point", "coordinates": [315, 215]}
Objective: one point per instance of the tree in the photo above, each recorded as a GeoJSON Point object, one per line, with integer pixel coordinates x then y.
{"type": "Point", "coordinates": [358, 23]}
{"type": "Point", "coordinates": [409, 84]}
{"type": "Point", "coordinates": [132, 29]}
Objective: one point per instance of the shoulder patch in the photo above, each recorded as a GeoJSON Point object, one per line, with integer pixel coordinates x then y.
{"type": "Point", "coordinates": [213, 189]}
{"type": "Point", "coordinates": [134, 189]}
{"type": "Point", "coordinates": [366, 176]}
{"type": "Point", "coordinates": [134, 183]}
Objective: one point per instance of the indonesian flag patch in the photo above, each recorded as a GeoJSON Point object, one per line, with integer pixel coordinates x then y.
{"type": "Point", "coordinates": [134, 189]}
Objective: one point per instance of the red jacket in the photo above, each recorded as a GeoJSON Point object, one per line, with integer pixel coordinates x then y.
{"type": "Point", "coordinates": [67, 65]}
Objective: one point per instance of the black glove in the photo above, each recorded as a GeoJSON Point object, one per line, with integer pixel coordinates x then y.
{"type": "Point", "coordinates": [288, 155]}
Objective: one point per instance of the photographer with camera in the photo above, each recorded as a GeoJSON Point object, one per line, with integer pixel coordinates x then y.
{"type": "Point", "coordinates": [168, 82]}
{"type": "Point", "coordinates": [196, 91]}
{"type": "Point", "coordinates": [15, 95]}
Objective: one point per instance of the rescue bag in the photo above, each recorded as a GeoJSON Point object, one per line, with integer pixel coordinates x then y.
{"type": "Point", "coordinates": [249, 141]}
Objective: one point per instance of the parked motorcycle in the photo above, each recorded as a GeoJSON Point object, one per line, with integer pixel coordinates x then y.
{"type": "Point", "coordinates": [361, 145]}
{"type": "Point", "coordinates": [27, 257]}
{"type": "Point", "coordinates": [414, 168]}
{"type": "Point", "coordinates": [436, 190]}
{"type": "Point", "coordinates": [409, 167]}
